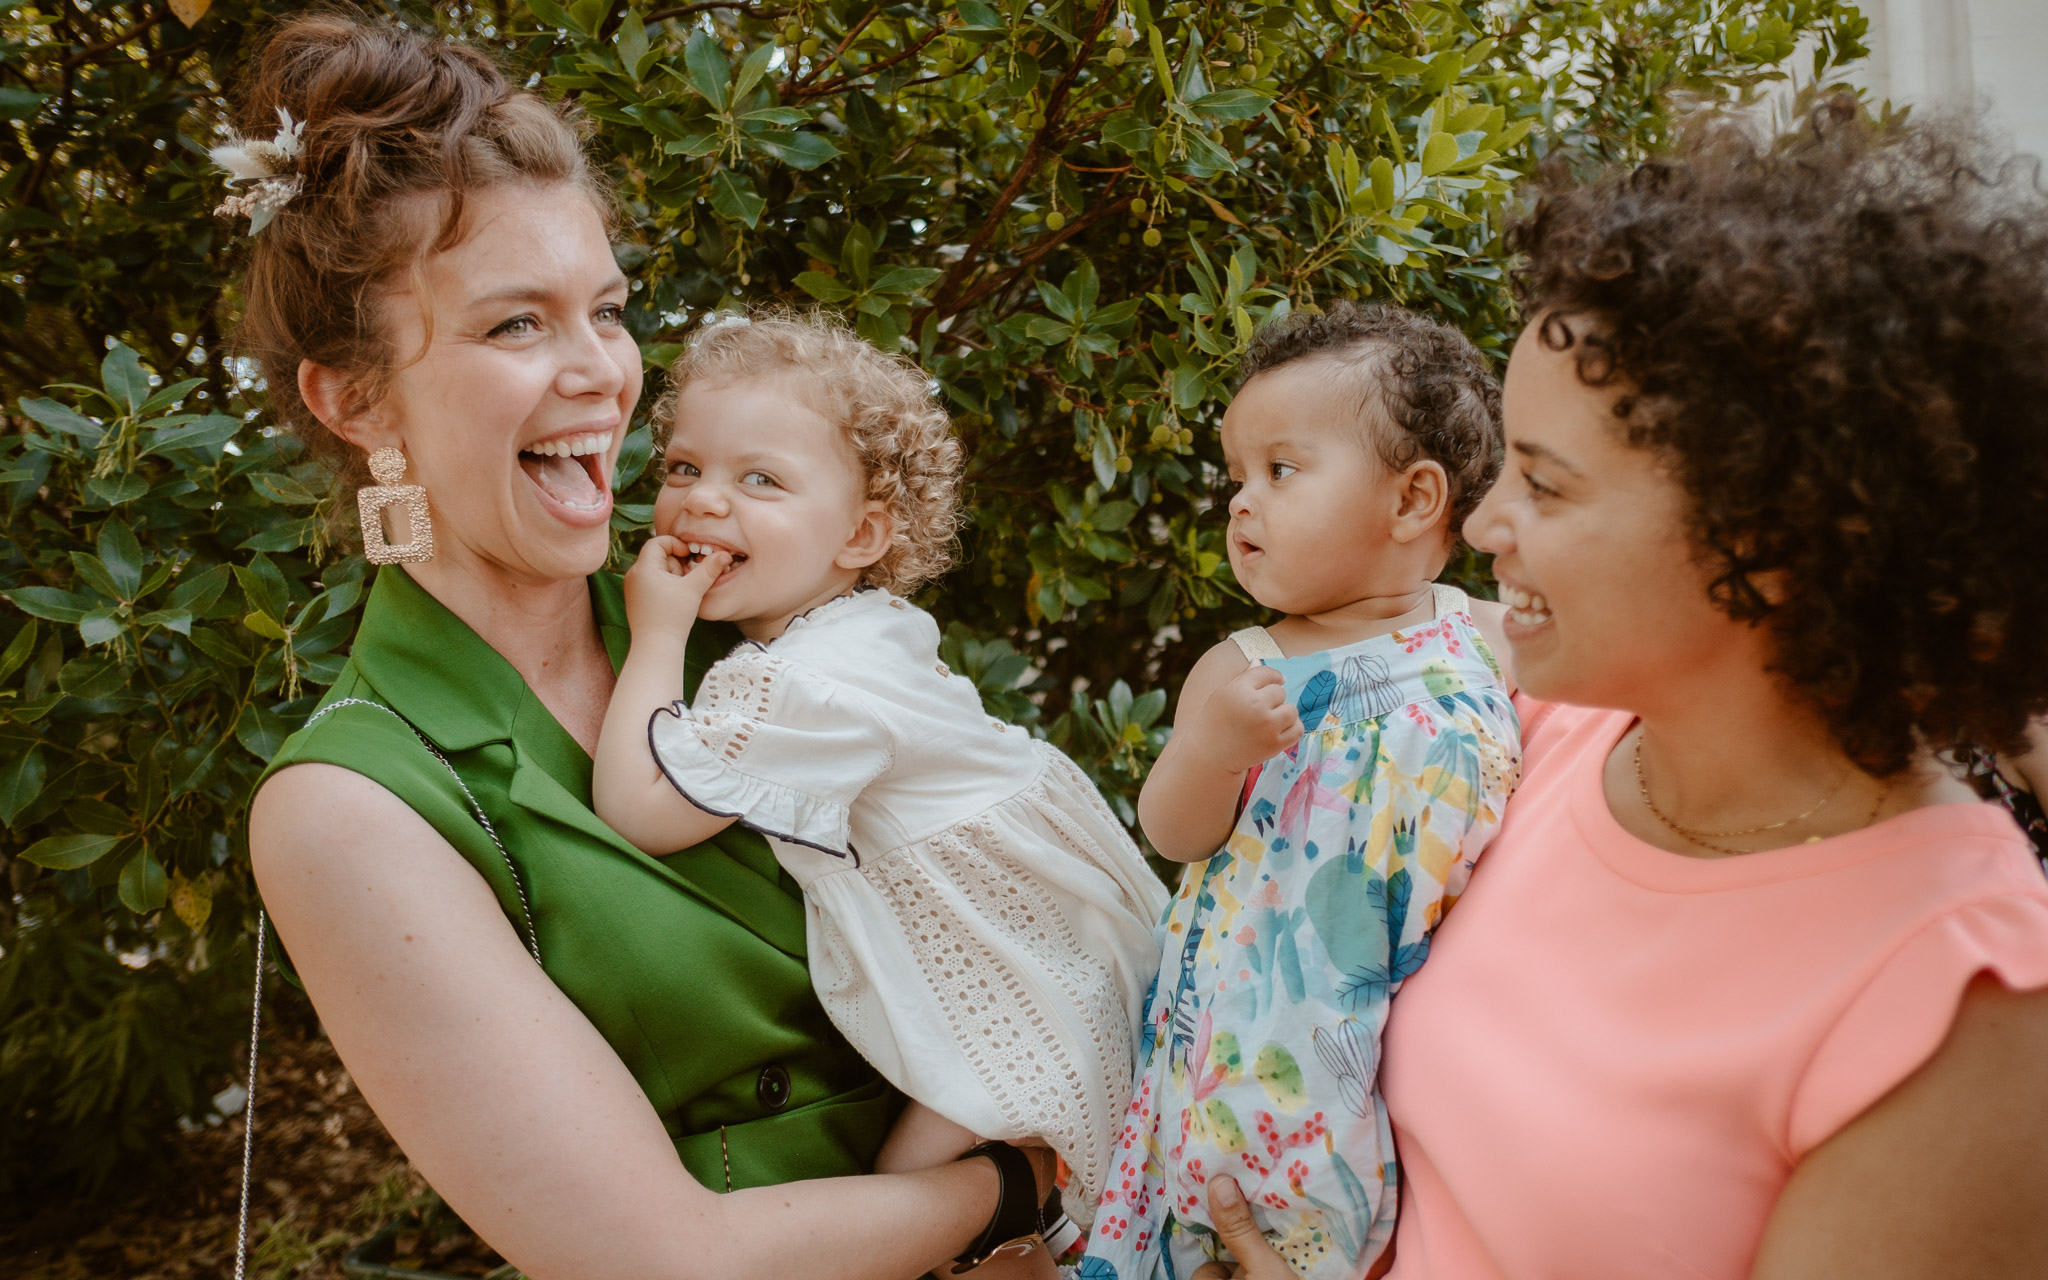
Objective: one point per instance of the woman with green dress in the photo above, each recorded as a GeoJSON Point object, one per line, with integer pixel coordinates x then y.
{"type": "Point", "coordinates": [610, 1065]}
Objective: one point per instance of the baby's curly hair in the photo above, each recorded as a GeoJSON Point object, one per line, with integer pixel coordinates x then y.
{"type": "Point", "coordinates": [1840, 343]}
{"type": "Point", "coordinates": [885, 404]}
{"type": "Point", "coordinates": [1426, 391]}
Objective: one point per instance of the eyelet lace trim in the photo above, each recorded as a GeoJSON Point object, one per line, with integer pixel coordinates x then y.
{"type": "Point", "coordinates": [1006, 1037]}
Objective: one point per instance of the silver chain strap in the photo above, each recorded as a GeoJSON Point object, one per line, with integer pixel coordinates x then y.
{"type": "Point", "coordinates": [263, 920]}
{"type": "Point", "coordinates": [249, 1102]}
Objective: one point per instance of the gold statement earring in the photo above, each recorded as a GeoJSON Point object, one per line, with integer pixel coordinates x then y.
{"type": "Point", "coordinates": [388, 466]}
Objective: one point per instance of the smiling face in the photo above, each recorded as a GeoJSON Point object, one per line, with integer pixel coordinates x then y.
{"type": "Point", "coordinates": [513, 417]}
{"type": "Point", "coordinates": [754, 470]}
{"type": "Point", "coordinates": [1315, 509]}
{"type": "Point", "coordinates": [1608, 604]}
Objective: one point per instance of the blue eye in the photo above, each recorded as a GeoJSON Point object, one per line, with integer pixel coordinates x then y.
{"type": "Point", "coordinates": [684, 469]}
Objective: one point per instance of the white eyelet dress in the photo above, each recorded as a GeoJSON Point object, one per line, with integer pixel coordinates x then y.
{"type": "Point", "coordinates": [980, 925]}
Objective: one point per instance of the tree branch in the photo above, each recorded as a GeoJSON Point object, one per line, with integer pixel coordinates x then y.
{"type": "Point", "coordinates": [1108, 206]}
{"type": "Point", "coordinates": [943, 297]}
{"type": "Point", "coordinates": [837, 83]}
{"type": "Point", "coordinates": [685, 10]}
{"type": "Point", "coordinates": [845, 43]}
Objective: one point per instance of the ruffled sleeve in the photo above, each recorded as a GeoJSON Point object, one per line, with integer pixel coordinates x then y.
{"type": "Point", "coordinates": [1903, 1014]}
{"type": "Point", "coordinates": [784, 750]}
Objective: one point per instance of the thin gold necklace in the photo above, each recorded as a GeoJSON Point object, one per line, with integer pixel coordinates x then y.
{"type": "Point", "coordinates": [1705, 839]}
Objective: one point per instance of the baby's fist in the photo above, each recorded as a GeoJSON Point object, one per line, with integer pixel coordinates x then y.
{"type": "Point", "coordinates": [664, 590]}
{"type": "Point", "coordinates": [1249, 720]}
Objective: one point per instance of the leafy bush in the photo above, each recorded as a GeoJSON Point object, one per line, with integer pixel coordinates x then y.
{"type": "Point", "coordinates": [1073, 212]}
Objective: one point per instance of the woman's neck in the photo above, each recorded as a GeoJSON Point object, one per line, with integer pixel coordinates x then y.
{"type": "Point", "coordinates": [1730, 751]}
{"type": "Point", "coordinates": [546, 629]}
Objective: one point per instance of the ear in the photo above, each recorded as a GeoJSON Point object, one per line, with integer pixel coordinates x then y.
{"type": "Point", "coordinates": [870, 538]}
{"type": "Point", "coordinates": [330, 396]}
{"type": "Point", "coordinates": [1422, 501]}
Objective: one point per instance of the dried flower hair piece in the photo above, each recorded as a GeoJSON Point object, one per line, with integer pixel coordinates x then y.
{"type": "Point", "coordinates": [267, 165]}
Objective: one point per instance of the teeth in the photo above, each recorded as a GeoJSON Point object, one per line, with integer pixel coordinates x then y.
{"type": "Point", "coordinates": [572, 446]}
{"type": "Point", "coordinates": [1526, 608]}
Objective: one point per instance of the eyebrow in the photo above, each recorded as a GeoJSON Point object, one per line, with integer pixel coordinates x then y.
{"type": "Point", "coordinates": [537, 293]}
{"type": "Point", "coordinates": [1543, 454]}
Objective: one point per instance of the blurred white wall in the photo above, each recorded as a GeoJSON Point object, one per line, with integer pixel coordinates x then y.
{"type": "Point", "coordinates": [1942, 52]}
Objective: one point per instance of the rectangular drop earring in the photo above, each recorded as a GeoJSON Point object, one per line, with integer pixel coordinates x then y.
{"type": "Point", "coordinates": [388, 466]}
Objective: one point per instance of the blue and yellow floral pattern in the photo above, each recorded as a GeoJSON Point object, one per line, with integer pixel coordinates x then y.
{"type": "Point", "coordinates": [1261, 1041]}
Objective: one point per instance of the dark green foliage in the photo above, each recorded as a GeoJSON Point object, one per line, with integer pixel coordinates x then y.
{"type": "Point", "coordinates": [962, 178]}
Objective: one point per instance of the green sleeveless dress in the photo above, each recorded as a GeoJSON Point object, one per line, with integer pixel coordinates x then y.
{"type": "Point", "coordinates": [691, 966]}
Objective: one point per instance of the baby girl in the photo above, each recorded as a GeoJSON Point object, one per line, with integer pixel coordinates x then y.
{"type": "Point", "coordinates": [1339, 773]}
{"type": "Point", "coordinates": [980, 926]}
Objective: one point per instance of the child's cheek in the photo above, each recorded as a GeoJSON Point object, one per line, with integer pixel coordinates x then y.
{"type": "Point", "coordinates": [668, 509]}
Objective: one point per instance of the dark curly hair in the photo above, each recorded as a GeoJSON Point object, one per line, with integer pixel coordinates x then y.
{"type": "Point", "coordinates": [1423, 380]}
{"type": "Point", "coordinates": [1840, 342]}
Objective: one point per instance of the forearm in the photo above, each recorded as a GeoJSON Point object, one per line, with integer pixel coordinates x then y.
{"type": "Point", "coordinates": [628, 789]}
{"type": "Point", "coordinates": [1188, 804]}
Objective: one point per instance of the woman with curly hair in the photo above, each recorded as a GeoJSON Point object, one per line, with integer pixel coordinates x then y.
{"type": "Point", "coordinates": [1750, 983]}
{"type": "Point", "coordinates": [980, 925]}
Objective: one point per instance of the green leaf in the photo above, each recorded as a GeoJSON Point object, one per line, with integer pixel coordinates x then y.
{"type": "Point", "coordinates": [264, 625]}
{"type": "Point", "coordinates": [631, 42]}
{"type": "Point", "coordinates": [95, 575]}
{"type": "Point", "coordinates": [18, 649]}
{"type": "Point", "coordinates": [552, 15]}
{"type": "Point", "coordinates": [122, 555]}
{"type": "Point", "coordinates": [198, 592]}
{"type": "Point", "coordinates": [49, 602]}
{"type": "Point", "coordinates": [708, 70]}
{"type": "Point", "coordinates": [822, 287]}
{"type": "Point", "coordinates": [69, 852]}
{"type": "Point", "coordinates": [63, 419]}
{"type": "Point", "coordinates": [94, 676]}
{"type": "Point", "coordinates": [101, 626]}
{"type": "Point", "coordinates": [981, 17]}
{"type": "Point", "coordinates": [905, 279]}
{"type": "Point", "coordinates": [1230, 104]}
{"type": "Point", "coordinates": [144, 886]}
{"type": "Point", "coordinates": [286, 535]}
{"type": "Point", "coordinates": [21, 782]}
{"type": "Point", "coordinates": [117, 490]}
{"type": "Point", "coordinates": [734, 197]}
{"type": "Point", "coordinates": [1127, 131]}
{"type": "Point", "coordinates": [124, 377]}
{"type": "Point", "coordinates": [261, 731]}
{"type": "Point", "coordinates": [20, 104]}
{"type": "Point", "coordinates": [1382, 171]}
{"type": "Point", "coordinates": [1190, 388]}
{"type": "Point", "coordinates": [786, 116]}
{"type": "Point", "coordinates": [693, 144]}
{"type": "Point", "coordinates": [194, 766]}
{"type": "Point", "coordinates": [751, 71]}
{"type": "Point", "coordinates": [165, 397]}
{"type": "Point", "coordinates": [282, 489]}
{"type": "Point", "coordinates": [797, 150]}
{"type": "Point", "coordinates": [209, 432]}
{"type": "Point", "coordinates": [264, 587]}
{"type": "Point", "coordinates": [178, 620]}
{"type": "Point", "coordinates": [1439, 154]}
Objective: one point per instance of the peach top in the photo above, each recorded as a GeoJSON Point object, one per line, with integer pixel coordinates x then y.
{"type": "Point", "coordinates": [1616, 1055]}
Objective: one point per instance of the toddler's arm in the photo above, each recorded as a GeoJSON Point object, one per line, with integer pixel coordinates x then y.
{"type": "Point", "coordinates": [1231, 717]}
{"type": "Point", "coordinates": [628, 789]}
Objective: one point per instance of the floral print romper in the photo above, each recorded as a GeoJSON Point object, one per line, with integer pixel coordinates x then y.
{"type": "Point", "coordinates": [1260, 1046]}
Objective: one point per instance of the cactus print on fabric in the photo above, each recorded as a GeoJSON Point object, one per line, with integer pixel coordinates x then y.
{"type": "Point", "coordinates": [1261, 1041]}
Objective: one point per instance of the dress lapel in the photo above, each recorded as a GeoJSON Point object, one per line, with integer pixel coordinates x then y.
{"type": "Point", "coordinates": [439, 674]}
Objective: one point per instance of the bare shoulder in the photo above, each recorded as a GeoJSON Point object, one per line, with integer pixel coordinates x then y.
{"type": "Point", "coordinates": [324, 839]}
{"type": "Point", "coordinates": [1944, 1175]}
{"type": "Point", "coordinates": [1491, 618]}
{"type": "Point", "coordinates": [1213, 670]}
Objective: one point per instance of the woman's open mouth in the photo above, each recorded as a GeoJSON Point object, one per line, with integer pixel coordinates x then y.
{"type": "Point", "coordinates": [569, 474]}
{"type": "Point", "coordinates": [1527, 612]}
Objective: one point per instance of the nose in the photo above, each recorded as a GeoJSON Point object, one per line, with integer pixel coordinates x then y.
{"type": "Point", "coordinates": [1488, 527]}
{"type": "Point", "coordinates": [707, 498]}
{"type": "Point", "coordinates": [1240, 504]}
{"type": "Point", "coordinates": [593, 368]}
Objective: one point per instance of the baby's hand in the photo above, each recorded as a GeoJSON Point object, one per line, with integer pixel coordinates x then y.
{"type": "Point", "coordinates": [1248, 721]}
{"type": "Point", "coordinates": [664, 591]}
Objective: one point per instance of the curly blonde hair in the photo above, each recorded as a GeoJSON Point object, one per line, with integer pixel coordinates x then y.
{"type": "Point", "coordinates": [884, 403]}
